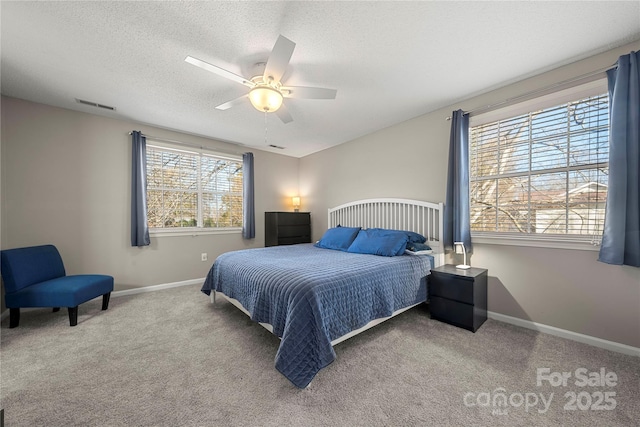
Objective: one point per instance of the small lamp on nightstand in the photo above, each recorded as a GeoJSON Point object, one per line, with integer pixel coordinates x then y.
{"type": "Point", "coordinates": [296, 203]}
{"type": "Point", "coordinates": [464, 265]}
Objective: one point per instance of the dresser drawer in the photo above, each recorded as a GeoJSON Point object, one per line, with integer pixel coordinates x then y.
{"type": "Point", "coordinates": [293, 218]}
{"type": "Point", "coordinates": [452, 287]}
{"type": "Point", "coordinates": [293, 230]}
{"type": "Point", "coordinates": [287, 228]}
{"type": "Point", "coordinates": [294, 240]}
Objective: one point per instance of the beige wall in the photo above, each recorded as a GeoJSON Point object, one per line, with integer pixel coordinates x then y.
{"type": "Point", "coordinates": [65, 180]}
{"type": "Point", "coordinates": [567, 289]}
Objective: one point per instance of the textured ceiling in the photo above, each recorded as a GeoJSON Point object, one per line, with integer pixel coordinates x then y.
{"type": "Point", "coordinates": [389, 61]}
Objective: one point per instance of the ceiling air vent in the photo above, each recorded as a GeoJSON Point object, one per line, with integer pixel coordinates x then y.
{"type": "Point", "coordinates": [95, 104]}
{"type": "Point", "coordinates": [276, 146]}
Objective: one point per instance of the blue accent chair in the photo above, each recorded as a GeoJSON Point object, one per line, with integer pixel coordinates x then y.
{"type": "Point", "coordinates": [35, 277]}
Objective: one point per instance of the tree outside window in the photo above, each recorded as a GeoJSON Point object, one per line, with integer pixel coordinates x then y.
{"type": "Point", "coordinates": [188, 189]}
{"type": "Point", "coordinates": [544, 172]}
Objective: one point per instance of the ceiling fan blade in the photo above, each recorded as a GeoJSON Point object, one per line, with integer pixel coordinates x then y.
{"type": "Point", "coordinates": [279, 59]}
{"type": "Point", "coordinates": [231, 103]}
{"type": "Point", "coordinates": [302, 92]}
{"type": "Point", "coordinates": [219, 71]}
{"type": "Point", "coordinates": [284, 114]}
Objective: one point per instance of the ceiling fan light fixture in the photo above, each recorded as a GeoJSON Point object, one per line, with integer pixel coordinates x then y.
{"type": "Point", "coordinates": [266, 90]}
{"type": "Point", "coordinates": [265, 98]}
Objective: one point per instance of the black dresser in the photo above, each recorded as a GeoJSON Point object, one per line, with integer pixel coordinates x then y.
{"type": "Point", "coordinates": [287, 228]}
{"type": "Point", "coordinates": [458, 297]}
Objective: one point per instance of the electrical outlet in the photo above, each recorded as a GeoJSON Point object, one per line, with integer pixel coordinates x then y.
{"type": "Point", "coordinates": [203, 256]}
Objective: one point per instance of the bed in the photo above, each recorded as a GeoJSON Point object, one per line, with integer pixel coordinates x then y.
{"type": "Point", "coordinates": [312, 298]}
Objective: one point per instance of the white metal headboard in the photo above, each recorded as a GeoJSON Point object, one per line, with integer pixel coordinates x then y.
{"type": "Point", "coordinates": [400, 214]}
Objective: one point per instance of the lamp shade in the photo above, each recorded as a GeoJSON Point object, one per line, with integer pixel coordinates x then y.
{"type": "Point", "coordinates": [265, 98]}
{"type": "Point", "coordinates": [295, 201]}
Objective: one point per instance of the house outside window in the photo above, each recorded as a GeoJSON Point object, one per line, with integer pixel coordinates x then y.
{"type": "Point", "coordinates": [191, 191]}
{"type": "Point", "coordinates": [539, 171]}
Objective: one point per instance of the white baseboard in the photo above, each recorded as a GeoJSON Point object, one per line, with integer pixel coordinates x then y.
{"type": "Point", "coordinates": [154, 288]}
{"type": "Point", "coordinates": [563, 333]}
{"type": "Point", "coordinates": [132, 291]}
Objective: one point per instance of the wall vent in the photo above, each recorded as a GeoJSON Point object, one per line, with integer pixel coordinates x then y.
{"type": "Point", "coordinates": [95, 104]}
{"type": "Point", "coordinates": [276, 146]}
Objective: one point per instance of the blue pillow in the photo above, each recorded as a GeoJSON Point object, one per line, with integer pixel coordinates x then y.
{"type": "Point", "coordinates": [339, 238]}
{"type": "Point", "coordinates": [379, 243]}
{"type": "Point", "coordinates": [411, 236]}
{"type": "Point", "coordinates": [417, 247]}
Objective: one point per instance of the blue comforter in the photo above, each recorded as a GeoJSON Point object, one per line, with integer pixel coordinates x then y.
{"type": "Point", "coordinates": [312, 296]}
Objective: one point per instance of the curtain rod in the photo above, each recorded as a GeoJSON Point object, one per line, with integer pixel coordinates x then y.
{"type": "Point", "coordinates": [530, 94]}
{"type": "Point", "coordinates": [187, 144]}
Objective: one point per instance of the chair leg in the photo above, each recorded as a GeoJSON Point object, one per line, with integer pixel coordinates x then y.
{"type": "Point", "coordinates": [14, 317]}
{"type": "Point", "coordinates": [73, 316]}
{"type": "Point", "coordinates": [56, 309]}
{"type": "Point", "coordinates": [105, 300]}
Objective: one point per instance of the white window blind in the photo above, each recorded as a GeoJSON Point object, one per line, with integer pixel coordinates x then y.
{"type": "Point", "coordinates": [192, 189]}
{"type": "Point", "coordinates": [542, 173]}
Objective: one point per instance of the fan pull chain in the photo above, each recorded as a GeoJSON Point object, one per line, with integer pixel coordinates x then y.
{"type": "Point", "coordinates": [265, 128]}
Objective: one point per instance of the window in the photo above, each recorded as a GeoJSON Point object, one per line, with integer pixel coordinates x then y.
{"type": "Point", "coordinates": [191, 190]}
{"type": "Point", "coordinates": [542, 174]}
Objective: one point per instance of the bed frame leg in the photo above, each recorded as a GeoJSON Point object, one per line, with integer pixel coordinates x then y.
{"type": "Point", "coordinates": [212, 296]}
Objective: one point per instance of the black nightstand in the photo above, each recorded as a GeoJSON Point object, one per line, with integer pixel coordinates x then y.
{"type": "Point", "coordinates": [287, 228]}
{"type": "Point", "coordinates": [458, 297]}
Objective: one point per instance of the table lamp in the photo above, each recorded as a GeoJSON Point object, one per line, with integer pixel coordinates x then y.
{"type": "Point", "coordinates": [464, 265]}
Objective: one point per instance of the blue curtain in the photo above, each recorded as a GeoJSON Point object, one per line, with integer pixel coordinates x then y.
{"type": "Point", "coordinates": [457, 226]}
{"type": "Point", "coordinates": [139, 225]}
{"type": "Point", "coordinates": [621, 237]}
{"type": "Point", "coordinates": [248, 199]}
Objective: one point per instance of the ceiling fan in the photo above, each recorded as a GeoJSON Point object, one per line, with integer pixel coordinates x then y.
{"type": "Point", "coordinates": [267, 91]}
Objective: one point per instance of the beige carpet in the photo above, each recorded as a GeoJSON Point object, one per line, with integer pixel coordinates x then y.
{"type": "Point", "coordinates": [169, 358]}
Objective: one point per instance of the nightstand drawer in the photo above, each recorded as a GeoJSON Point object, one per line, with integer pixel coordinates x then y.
{"type": "Point", "coordinates": [451, 287]}
{"type": "Point", "coordinates": [458, 296]}
{"type": "Point", "coordinates": [453, 312]}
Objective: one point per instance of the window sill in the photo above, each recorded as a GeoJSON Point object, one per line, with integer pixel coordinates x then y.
{"type": "Point", "coordinates": [192, 231]}
{"type": "Point", "coordinates": [550, 241]}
